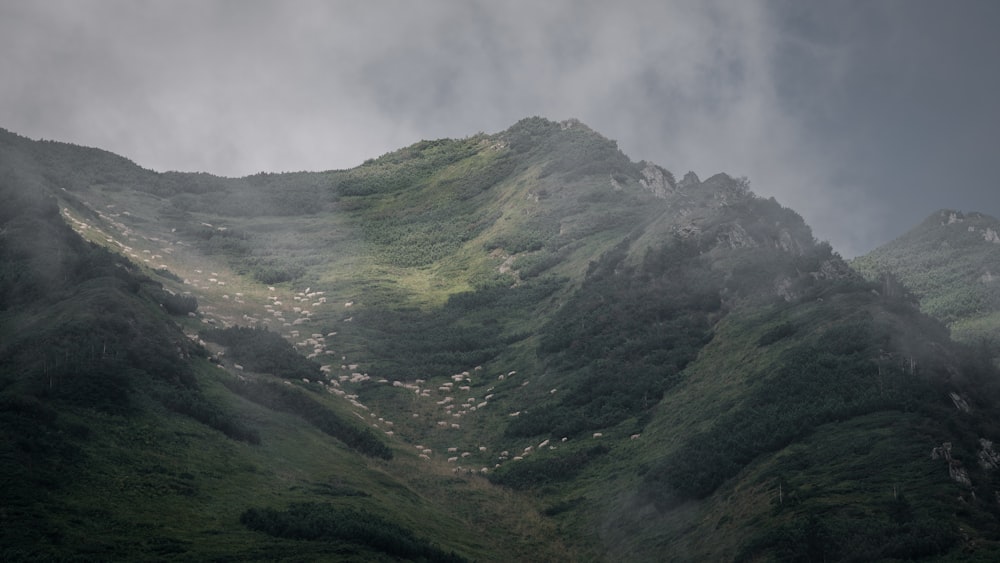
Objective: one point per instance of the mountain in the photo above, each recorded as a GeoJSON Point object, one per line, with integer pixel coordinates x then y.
{"type": "Point", "coordinates": [950, 263]}
{"type": "Point", "coordinates": [515, 346]}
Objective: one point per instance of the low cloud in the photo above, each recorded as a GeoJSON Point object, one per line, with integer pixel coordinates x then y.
{"type": "Point", "coordinates": [233, 88]}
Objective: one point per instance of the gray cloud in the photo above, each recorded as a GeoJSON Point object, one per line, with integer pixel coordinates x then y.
{"type": "Point", "coordinates": [815, 103]}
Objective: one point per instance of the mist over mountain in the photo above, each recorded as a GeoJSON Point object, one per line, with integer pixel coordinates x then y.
{"type": "Point", "coordinates": [949, 263]}
{"type": "Point", "coordinates": [511, 346]}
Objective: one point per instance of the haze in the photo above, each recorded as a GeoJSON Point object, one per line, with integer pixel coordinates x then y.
{"type": "Point", "coordinates": [862, 116]}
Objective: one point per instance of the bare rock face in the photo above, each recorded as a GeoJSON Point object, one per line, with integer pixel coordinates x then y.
{"type": "Point", "coordinates": [616, 185]}
{"type": "Point", "coordinates": [788, 243]}
{"type": "Point", "coordinates": [989, 457]}
{"type": "Point", "coordinates": [658, 180]}
{"type": "Point", "coordinates": [960, 402]}
{"type": "Point", "coordinates": [783, 289]}
{"type": "Point", "coordinates": [991, 236]}
{"type": "Point", "coordinates": [737, 237]}
{"type": "Point", "coordinates": [955, 469]}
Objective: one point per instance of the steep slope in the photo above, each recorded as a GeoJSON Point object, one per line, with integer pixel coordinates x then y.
{"type": "Point", "coordinates": [950, 263]}
{"type": "Point", "coordinates": [556, 342]}
{"type": "Point", "coordinates": [121, 441]}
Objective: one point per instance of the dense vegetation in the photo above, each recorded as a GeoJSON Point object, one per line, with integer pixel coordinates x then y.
{"type": "Point", "coordinates": [755, 398]}
{"type": "Point", "coordinates": [260, 350]}
{"type": "Point", "coordinates": [835, 375]}
{"type": "Point", "coordinates": [546, 468]}
{"type": "Point", "coordinates": [324, 522]}
{"type": "Point", "coordinates": [263, 351]}
{"type": "Point", "coordinates": [83, 337]}
{"type": "Point", "coordinates": [288, 399]}
{"type": "Point", "coordinates": [625, 337]}
{"type": "Point", "coordinates": [469, 330]}
{"type": "Point", "coordinates": [949, 263]}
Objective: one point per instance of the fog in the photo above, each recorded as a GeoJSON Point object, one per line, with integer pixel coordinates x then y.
{"type": "Point", "coordinates": [863, 117]}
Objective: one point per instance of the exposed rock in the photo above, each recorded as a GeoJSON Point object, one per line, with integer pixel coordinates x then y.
{"type": "Point", "coordinates": [658, 180]}
{"type": "Point", "coordinates": [991, 236]}
{"type": "Point", "coordinates": [783, 288]}
{"type": "Point", "coordinates": [507, 265]}
{"type": "Point", "coordinates": [615, 184]}
{"type": "Point", "coordinates": [572, 123]}
{"type": "Point", "coordinates": [788, 243]}
{"type": "Point", "coordinates": [737, 237]}
{"type": "Point", "coordinates": [687, 230]}
{"type": "Point", "coordinates": [989, 458]}
{"type": "Point", "coordinates": [725, 191]}
{"type": "Point", "coordinates": [960, 402]}
{"type": "Point", "coordinates": [959, 474]}
{"type": "Point", "coordinates": [987, 277]}
{"type": "Point", "coordinates": [955, 469]}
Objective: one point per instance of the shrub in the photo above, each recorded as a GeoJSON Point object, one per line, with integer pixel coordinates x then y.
{"type": "Point", "coordinates": [324, 522]}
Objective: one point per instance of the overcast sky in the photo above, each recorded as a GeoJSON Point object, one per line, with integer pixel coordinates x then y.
{"type": "Point", "coordinates": [863, 116]}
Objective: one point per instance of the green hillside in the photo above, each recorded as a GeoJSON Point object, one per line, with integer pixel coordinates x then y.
{"type": "Point", "coordinates": [950, 263]}
{"type": "Point", "coordinates": [517, 346]}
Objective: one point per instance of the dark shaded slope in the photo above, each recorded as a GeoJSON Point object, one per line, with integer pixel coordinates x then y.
{"type": "Point", "coordinates": [804, 430]}
{"type": "Point", "coordinates": [83, 331]}
{"type": "Point", "coordinates": [726, 351]}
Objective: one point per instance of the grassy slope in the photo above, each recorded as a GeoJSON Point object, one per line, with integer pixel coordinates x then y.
{"type": "Point", "coordinates": [150, 483]}
{"type": "Point", "coordinates": [418, 241]}
{"type": "Point", "coordinates": [179, 491]}
{"type": "Point", "coordinates": [947, 263]}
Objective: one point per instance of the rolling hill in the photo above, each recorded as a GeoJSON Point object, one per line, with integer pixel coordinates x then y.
{"type": "Point", "coordinates": [515, 346]}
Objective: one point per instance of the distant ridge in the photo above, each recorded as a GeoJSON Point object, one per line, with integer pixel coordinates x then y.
{"type": "Point", "coordinates": [951, 262]}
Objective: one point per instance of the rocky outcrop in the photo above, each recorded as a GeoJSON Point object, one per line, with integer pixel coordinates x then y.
{"type": "Point", "coordinates": [690, 180]}
{"type": "Point", "coordinates": [616, 185]}
{"type": "Point", "coordinates": [789, 244]}
{"type": "Point", "coordinates": [988, 456]}
{"type": "Point", "coordinates": [955, 469]}
{"type": "Point", "coordinates": [960, 402]}
{"type": "Point", "coordinates": [737, 237]}
{"type": "Point", "coordinates": [783, 289]}
{"type": "Point", "coordinates": [952, 217]}
{"type": "Point", "coordinates": [657, 180]}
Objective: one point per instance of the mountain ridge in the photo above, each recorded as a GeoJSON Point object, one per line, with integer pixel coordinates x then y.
{"type": "Point", "coordinates": [631, 364]}
{"type": "Point", "coordinates": [949, 262]}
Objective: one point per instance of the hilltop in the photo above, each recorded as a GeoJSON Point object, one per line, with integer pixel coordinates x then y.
{"type": "Point", "coordinates": [513, 346]}
{"type": "Point", "coordinates": [950, 262]}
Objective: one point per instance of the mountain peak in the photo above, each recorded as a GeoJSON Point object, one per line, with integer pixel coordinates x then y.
{"type": "Point", "coordinates": [953, 227]}
{"type": "Point", "coordinates": [690, 179]}
{"type": "Point", "coordinates": [519, 325]}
